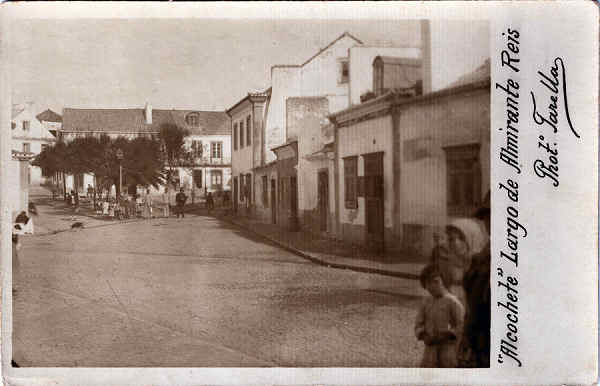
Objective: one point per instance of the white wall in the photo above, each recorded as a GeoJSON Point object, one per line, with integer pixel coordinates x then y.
{"type": "Point", "coordinates": [242, 158]}
{"type": "Point", "coordinates": [206, 140]}
{"type": "Point", "coordinates": [319, 77]}
{"type": "Point", "coordinates": [365, 137]}
{"type": "Point", "coordinates": [18, 189]}
{"type": "Point", "coordinates": [361, 66]}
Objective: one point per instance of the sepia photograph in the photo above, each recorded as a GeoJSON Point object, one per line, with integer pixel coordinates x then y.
{"type": "Point", "coordinates": [190, 192]}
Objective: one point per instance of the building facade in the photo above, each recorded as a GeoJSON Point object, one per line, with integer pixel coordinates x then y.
{"type": "Point", "coordinates": [247, 150]}
{"type": "Point", "coordinates": [407, 165]}
{"type": "Point", "coordinates": [306, 117]}
{"type": "Point", "coordinates": [31, 133]}
{"type": "Point", "coordinates": [326, 75]}
{"type": "Point", "coordinates": [18, 172]}
{"type": "Point", "coordinates": [208, 140]}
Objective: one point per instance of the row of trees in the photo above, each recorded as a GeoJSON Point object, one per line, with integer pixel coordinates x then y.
{"type": "Point", "coordinates": [146, 161]}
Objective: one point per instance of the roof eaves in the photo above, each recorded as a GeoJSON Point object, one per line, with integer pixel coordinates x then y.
{"type": "Point", "coordinates": [480, 84]}
{"type": "Point", "coordinates": [345, 34]}
{"type": "Point", "coordinates": [361, 106]}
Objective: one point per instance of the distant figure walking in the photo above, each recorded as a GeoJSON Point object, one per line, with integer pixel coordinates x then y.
{"type": "Point", "coordinates": [180, 199]}
{"type": "Point", "coordinates": [166, 203]}
{"type": "Point", "coordinates": [75, 204]}
{"type": "Point", "coordinates": [147, 210]}
{"type": "Point", "coordinates": [210, 203]}
{"type": "Point", "coordinates": [90, 192]}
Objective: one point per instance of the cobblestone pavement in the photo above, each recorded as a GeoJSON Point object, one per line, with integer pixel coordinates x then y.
{"type": "Point", "coordinates": [198, 292]}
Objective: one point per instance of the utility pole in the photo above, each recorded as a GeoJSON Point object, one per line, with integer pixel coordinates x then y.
{"type": "Point", "coordinates": [120, 158]}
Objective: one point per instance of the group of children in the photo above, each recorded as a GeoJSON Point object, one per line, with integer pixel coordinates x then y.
{"type": "Point", "coordinates": [453, 321]}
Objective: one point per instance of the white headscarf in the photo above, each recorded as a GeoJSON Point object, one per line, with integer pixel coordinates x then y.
{"type": "Point", "coordinates": [475, 236]}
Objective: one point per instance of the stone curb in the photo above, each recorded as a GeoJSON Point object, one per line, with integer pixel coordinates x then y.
{"type": "Point", "coordinates": [320, 261]}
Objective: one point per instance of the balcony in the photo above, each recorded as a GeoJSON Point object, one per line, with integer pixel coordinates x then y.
{"type": "Point", "coordinates": [209, 161]}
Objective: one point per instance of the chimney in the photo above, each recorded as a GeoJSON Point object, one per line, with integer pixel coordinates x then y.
{"type": "Point", "coordinates": [148, 113]}
{"type": "Point", "coordinates": [426, 55]}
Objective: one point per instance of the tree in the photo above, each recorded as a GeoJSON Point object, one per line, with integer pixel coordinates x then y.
{"type": "Point", "coordinates": [142, 163]}
{"type": "Point", "coordinates": [54, 160]}
{"type": "Point", "coordinates": [175, 154]}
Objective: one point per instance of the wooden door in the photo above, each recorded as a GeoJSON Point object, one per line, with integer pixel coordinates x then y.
{"type": "Point", "coordinates": [323, 199]}
{"type": "Point", "coordinates": [235, 194]}
{"type": "Point", "coordinates": [374, 201]}
{"type": "Point", "coordinates": [293, 197]}
{"type": "Point", "coordinates": [273, 202]}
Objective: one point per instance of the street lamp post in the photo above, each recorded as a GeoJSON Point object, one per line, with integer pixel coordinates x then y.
{"type": "Point", "coordinates": [120, 158]}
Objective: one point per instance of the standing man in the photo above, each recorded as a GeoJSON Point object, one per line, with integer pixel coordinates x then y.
{"type": "Point", "coordinates": [90, 192]}
{"type": "Point", "coordinates": [180, 198]}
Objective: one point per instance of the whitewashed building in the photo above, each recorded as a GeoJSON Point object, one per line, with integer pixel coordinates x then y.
{"type": "Point", "coordinates": [31, 133]}
{"type": "Point", "coordinates": [209, 139]}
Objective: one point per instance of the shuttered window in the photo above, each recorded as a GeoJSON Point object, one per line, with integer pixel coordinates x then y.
{"type": "Point", "coordinates": [241, 134]}
{"type": "Point", "coordinates": [265, 192]}
{"type": "Point", "coordinates": [350, 182]}
{"type": "Point", "coordinates": [235, 136]}
{"type": "Point", "coordinates": [463, 179]}
{"type": "Point", "coordinates": [248, 131]}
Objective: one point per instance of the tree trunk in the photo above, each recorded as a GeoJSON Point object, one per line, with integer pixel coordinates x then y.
{"type": "Point", "coordinates": [64, 186]}
{"type": "Point", "coordinates": [95, 189]}
{"type": "Point", "coordinates": [118, 190]}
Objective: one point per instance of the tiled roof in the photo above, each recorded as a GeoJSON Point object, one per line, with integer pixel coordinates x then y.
{"type": "Point", "coordinates": [133, 121]}
{"type": "Point", "coordinates": [209, 122]}
{"type": "Point", "coordinates": [49, 116]}
{"type": "Point", "coordinates": [260, 94]}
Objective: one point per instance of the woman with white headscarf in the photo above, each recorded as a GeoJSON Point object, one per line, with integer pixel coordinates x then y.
{"type": "Point", "coordinates": [466, 237]}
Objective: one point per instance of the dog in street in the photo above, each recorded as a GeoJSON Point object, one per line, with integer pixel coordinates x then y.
{"type": "Point", "coordinates": [77, 226]}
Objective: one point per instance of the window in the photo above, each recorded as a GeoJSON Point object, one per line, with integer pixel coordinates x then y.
{"type": "Point", "coordinates": [248, 130]}
{"type": "Point", "coordinates": [350, 182]}
{"type": "Point", "coordinates": [192, 119]}
{"type": "Point", "coordinates": [281, 189]}
{"type": "Point", "coordinates": [265, 192]}
{"type": "Point", "coordinates": [26, 147]}
{"type": "Point", "coordinates": [25, 125]}
{"type": "Point", "coordinates": [13, 125]}
{"type": "Point", "coordinates": [197, 148]}
{"type": "Point", "coordinates": [344, 71]}
{"type": "Point", "coordinates": [463, 179]}
{"type": "Point", "coordinates": [44, 146]}
{"type": "Point", "coordinates": [216, 178]}
{"type": "Point", "coordinates": [235, 136]}
{"type": "Point", "coordinates": [241, 134]}
{"type": "Point", "coordinates": [216, 149]}
{"type": "Point", "coordinates": [248, 187]}
{"type": "Point", "coordinates": [197, 175]}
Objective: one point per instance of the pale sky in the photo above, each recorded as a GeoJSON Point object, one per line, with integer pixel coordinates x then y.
{"type": "Point", "coordinates": [202, 64]}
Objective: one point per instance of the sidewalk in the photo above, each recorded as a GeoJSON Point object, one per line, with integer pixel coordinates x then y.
{"type": "Point", "coordinates": [324, 251]}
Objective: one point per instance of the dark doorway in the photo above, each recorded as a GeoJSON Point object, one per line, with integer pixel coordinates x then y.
{"type": "Point", "coordinates": [323, 199]}
{"type": "Point", "coordinates": [293, 204]}
{"type": "Point", "coordinates": [273, 202]}
{"type": "Point", "coordinates": [374, 201]}
{"type": "Point", "coordinates": [235, 194]}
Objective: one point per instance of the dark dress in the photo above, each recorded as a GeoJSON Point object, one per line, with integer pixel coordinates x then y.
{"type": "Point", "coordinates": [180, 199]}
{"type": "Point", "coordinates": [477, 322]}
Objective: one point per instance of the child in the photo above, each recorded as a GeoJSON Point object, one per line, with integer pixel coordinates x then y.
{"type": "Point", "coordinates": [439, 322]}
